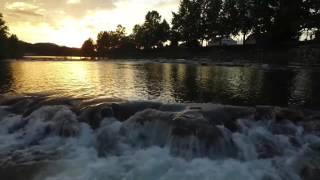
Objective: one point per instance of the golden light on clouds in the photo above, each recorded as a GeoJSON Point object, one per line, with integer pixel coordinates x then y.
{"type": "Point", "coordinates": [70, 22]}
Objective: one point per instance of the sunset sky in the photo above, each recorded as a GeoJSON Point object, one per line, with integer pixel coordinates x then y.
{"type": "Point", "coordinates": [70, 22]}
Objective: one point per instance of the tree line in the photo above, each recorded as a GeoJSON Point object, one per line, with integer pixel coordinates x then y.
{"type": "Point", "coordinates": [153, 33]}
{"type": "Point", "coordinates": [270, 22]}
{"type": "Point", "coordinates": [9, 43]}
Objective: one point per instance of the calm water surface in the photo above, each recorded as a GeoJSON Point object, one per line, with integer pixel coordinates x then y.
{"type": "Point", "coordinates": [165, 82]}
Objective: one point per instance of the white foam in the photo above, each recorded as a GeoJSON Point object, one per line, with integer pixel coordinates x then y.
{"type": "Point", "coordinates": [113, 151]}
{"type": "Point", "coordinates": [156, 163]}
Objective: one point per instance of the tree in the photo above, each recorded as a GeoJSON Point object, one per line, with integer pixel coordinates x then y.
{"type": "Point", "coordinates": [212, 17]}
{"type": "Point", "coordinates": [120, 33]}
{"type": "Point", "coordinates": [263, 13]}
{"type": "Point", "coordinates": [229, 19]}
{"type": "Point", "coordinates": [244, 17]}
{"type": "Point", "coordinates": [117, 37]}
{"type": "Point", "coordinates": [102, 43]}
{"type": "Point", "coordinates": [312, 17]}
{"type": "Point", "coordinates": [14, 49]}
{"type": "Point", "coordinates": [153, 32]}
{"type": "Point", "coordinates": [162, 33]}
{"type": "Point", "coordinates": [288, 18]}
{"type": "Point", "coordinates": [3, 37]}
{"type": "Point", "coordinates": [189, 23]}
{"type": "Point", "coordinates": [88, 49]}
{"type": "Point", "coordinates": [10, 46]}
{"type": "Point", "coordinates": [175, 33]}
{"type": "Point", "coordinates": [3, 28]}
{"type": "Point", "coordinates": [138, 36]}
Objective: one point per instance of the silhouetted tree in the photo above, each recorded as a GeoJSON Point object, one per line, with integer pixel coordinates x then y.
{"type": "Point", "coordinates": [138, 34]}
{"type": "Point", "coordinates": [14, 48]}
{"type": "Point", "coordinates": [3, 37]}
{"type": "Point", "coordinates": [111, 40]}
{"type": "Point", "coordinates": [212, 18]}
{"type": "Point", "coordinates": [3, 27]}
{"type": "Point", "coordinates": [153, 32]}
{"type": "Point", "coordinates": [270, 21]}
{"type": "Point", "coordinates": [122, 41]}
{"type": "Point", "coordinates": [163, 33]}
{"type": "Point", "coordinates": [244, 17]}
{"type": "Point", "coordinates": [288, 18]}
{"type": "Point", "coordinates": [311, 19]}
{"type": "Point", "coordinates": [263, 13]}
{"type": "Point", "coordinates": [117, 38]}
{"type": "Point", "coordinates": [188, 22]}
{"type": "Point", "coordinates": [102, 43]}
{"type": "Point", "coordinates": [229, 19]}
{"type": "Point", "coordinates": [88, 49]}
{"type": "Point", "coordinates": [10, 46]}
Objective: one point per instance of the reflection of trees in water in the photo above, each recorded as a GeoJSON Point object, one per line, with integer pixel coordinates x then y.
{"type": "Point", "coordinates": [315, 89]}
{"type": "Point", "coordinates": [184, 82]}
{"type": "Point", "coordinates": [276, 87]}
{"type": "Point", "coordinates": [300, 90]}
{"type": "Point", "coordinates": [5, 77]}
{"type": "Point", "coordinates": [216, 84]}
{"type": "Point", "coordinates": [305, 88]}
{"type": "Point", "coordinates": [153, 78]}
{"type": "Point", "coordinates": [167, 82]}
{"type": "Point", "coordinates": [236, 85]}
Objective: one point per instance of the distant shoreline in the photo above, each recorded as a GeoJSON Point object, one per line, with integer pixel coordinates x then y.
{"type": "Point", "coordinates": [301, 54]}
{"type": "Point", "coordinates": [304, 53]}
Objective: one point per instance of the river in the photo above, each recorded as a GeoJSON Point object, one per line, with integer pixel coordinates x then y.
{"type": "Point", "coordinates": [145, 120]}
{"type": "Point", "coordinates": [165, 82]}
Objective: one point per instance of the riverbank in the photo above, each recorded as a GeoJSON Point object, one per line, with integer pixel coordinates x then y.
{"type": "Point", "coordinates": [304, 53]}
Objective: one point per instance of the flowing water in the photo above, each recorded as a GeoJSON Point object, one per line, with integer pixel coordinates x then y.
{"type": "Point", "coordinates": [95, 121]}
{"type": "Point", "coordinates": [165, 82]}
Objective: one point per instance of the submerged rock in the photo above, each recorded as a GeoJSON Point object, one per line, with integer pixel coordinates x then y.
{"type": "Point", "coordinates": [59, 120]}
{"type": "Point", "coordinates": [265, 113]}
{"type": "Point", "coordinates": [149, 127]}
{"type": "Point", "coordinates": [294, 115]}
{"type": "Point", "coordinates": [93, 115]}
{"type": "Point", "coordinates": [123, 111]}
{"type": "Point", "coordinates": [188, 134]}
{"type": "Point", "coordinates": [194, 136]}
{"type": "Point", "coordinates": [71, 103]}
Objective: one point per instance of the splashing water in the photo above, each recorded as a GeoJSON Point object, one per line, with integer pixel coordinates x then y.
{"type": "Point", "coordinates": [160, 143]}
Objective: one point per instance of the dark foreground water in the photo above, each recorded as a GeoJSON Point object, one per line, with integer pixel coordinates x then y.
{"type": "Point", "coordinates": [165, 82]}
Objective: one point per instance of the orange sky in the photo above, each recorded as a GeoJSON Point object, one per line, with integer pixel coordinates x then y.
{"type": "Point", "coordinates": [70, 22]}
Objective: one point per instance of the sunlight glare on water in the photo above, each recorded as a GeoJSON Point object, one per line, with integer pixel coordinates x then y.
{"type": "Point", "coordinates": [164, 82]}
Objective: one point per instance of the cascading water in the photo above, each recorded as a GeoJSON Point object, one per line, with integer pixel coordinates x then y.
{"type": "Point", "coordinates": [43, 139]}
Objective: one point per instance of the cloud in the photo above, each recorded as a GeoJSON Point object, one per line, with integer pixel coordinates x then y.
{"type": "Point", "coordinates": [20, 6]}
{"type": "Point", "coordinates": [53, 8]}
{"type": "Point", "coordinates": [18, 9]}
{"type": "Point", "coordinates": [69, 22]}
{"type": "Point", "coordinates": [18, 13]}
{"type": "Point", "coordinates": [73, 1]}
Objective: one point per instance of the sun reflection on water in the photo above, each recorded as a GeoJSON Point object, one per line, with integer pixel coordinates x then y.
{"type": "Point", "coordinates": [167, 82]}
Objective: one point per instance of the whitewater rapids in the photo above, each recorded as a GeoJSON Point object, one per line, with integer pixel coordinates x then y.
{"type": "Point", "coordinates": [64, 139]}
